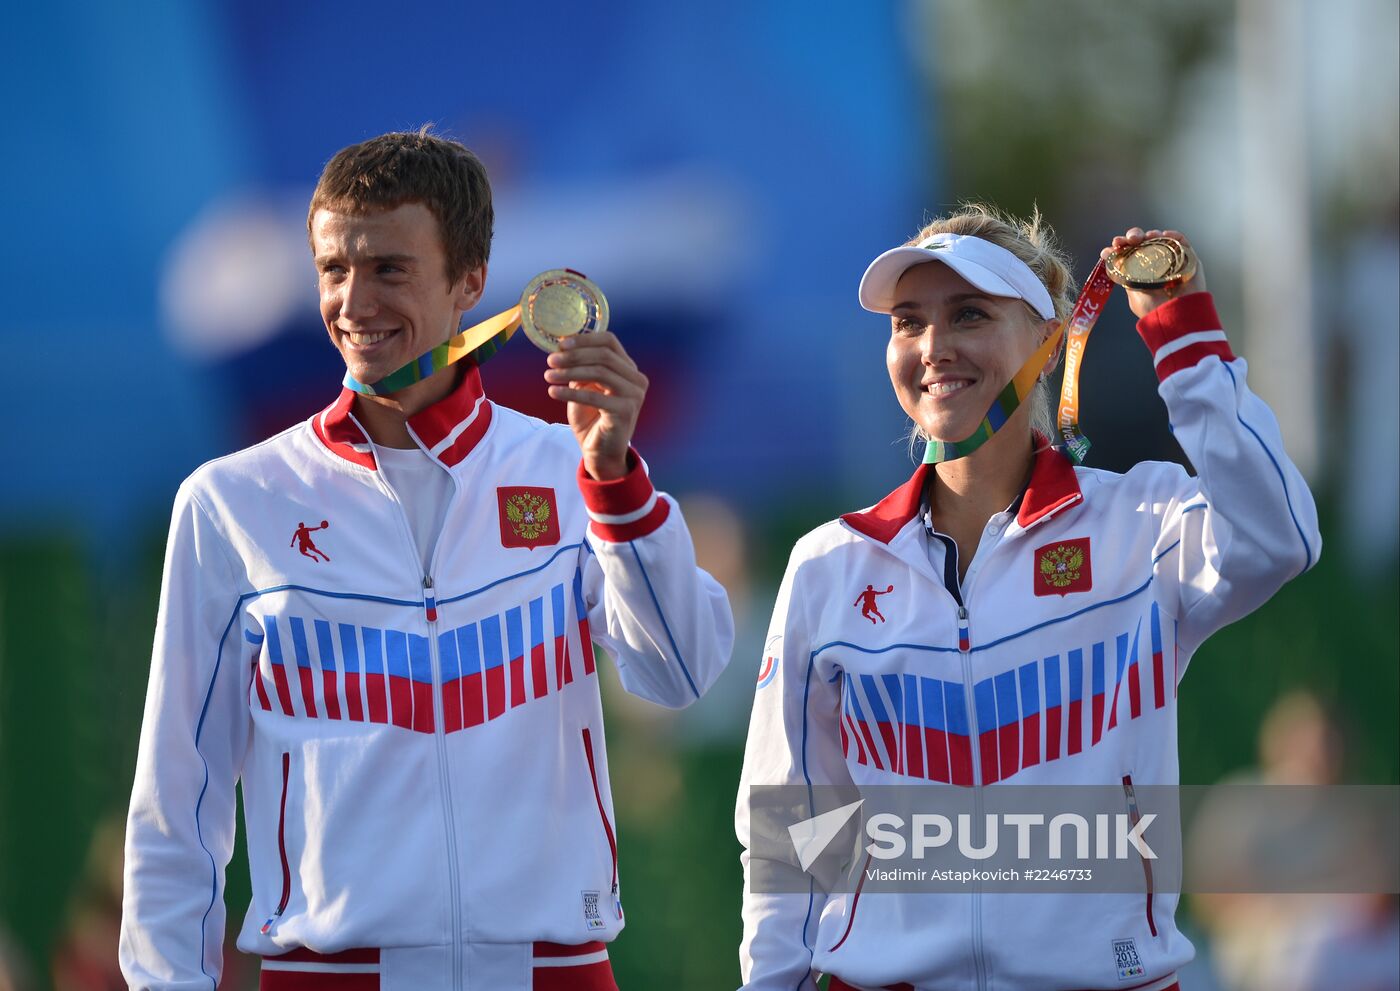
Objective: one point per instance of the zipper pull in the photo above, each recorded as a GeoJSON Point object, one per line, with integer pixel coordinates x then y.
{"type": "Point", "coordinates": [429, 600]}
{"type": "Point", "coordinates": [617, 902]}
{"type": "Point", "coordinates": [267, 926]}
{"type": "Point", "coordinates": [964, 641]}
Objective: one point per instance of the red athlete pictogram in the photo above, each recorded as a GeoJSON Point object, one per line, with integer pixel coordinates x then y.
{"type": "Point", "coordinates": [869, 609]}
{"type": "Point", "coordinates": [302, 538]}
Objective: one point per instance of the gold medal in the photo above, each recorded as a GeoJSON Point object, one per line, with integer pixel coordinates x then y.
{"type": "Point", "coordinates": [560, 303]}
{"type": "Point", "coordinates": [1153, 264]}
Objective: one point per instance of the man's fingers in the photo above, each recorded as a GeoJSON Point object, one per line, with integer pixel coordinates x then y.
{"type": "Point", "coordinates": [587, 352]}
{"type": "Point", "coordinates": [600, 339]}
{"type": "Point", "coordinates": [625, 380]}
{"type": "Point", "coordinates": [609, 378]}
{"type": "Point", "coordinates": [592, 397]}
{"type": "Point", "coordinates": [592, 356]}
{"type": "Point", "coordinates": [594, 362]}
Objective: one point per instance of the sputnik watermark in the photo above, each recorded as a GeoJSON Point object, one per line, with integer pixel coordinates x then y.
{"type": "Point", "coordinates": [894, 838]}
{"type": "Point", "coordinates": [932, 830]}
{"type": "Point", "coordinates": [1117, 838]}
{"type": "Point", "coordinates": [890, 838]}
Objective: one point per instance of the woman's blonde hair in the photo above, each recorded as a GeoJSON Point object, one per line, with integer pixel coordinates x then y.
{"type": "Point", "coordinates": [1032, 241]}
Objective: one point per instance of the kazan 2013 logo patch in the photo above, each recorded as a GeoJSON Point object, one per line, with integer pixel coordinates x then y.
{"type": "Point", "coordinates": [529, 516]}
{"type": "Point", "coordinates": [1125, 956]}
{"type": "Point", "coordinates": [1063, 567]}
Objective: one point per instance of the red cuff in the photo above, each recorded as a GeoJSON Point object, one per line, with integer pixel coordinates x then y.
{"type": "Point", "coordinates": [625, 508]}
{"type": "Point", "coordinates": [1183, 332]}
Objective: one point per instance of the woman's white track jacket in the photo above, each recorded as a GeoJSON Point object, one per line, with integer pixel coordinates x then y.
{"type": "Point", "coordinates": [1020, 686]}
{"type": "Point", "coordinates": [421, 756]}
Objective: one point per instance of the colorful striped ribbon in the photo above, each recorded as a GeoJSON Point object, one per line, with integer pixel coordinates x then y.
{"type": "Point", "coordinates": [478, 343]}
{"type": "Point", "coordinates": [1081, 321]}
{"type": "Point", "coordinates": [1087, 309]}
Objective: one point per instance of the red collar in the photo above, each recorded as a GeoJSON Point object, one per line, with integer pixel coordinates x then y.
{"type": "Point", "coordinates": [448, 429]}
{"type": "Point", "coordinates": [1053, 487]}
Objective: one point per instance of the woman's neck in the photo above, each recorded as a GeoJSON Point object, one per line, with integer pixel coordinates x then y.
{"type": "Point", "coordinates": [966, 493]}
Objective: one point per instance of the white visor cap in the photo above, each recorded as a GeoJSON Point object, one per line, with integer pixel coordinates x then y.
{"type": "Point", "coordinates": [989, 267]}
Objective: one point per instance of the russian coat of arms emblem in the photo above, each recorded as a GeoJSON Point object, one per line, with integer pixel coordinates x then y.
{"type": "Point", "coordinates": [1063, 567]}
{"type": "Point", "coordinates": [529, 516]}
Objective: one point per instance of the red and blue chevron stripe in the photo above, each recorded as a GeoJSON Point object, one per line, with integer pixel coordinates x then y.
{"type": "Point", "coordinates": [1075, 742]}
{"type": "Point", "coordinates": [585, 637]}
{"type": "Point", "coordinates": [1052, 707]}
{"type": "Point", "coordinates": [1158, 665]}
{"type": "Point", "coordinates": [917, 726]}
{"type": "Point", "coordinates": [1099, 693]}
{"type": "Point", "coordinates": [369, 674]}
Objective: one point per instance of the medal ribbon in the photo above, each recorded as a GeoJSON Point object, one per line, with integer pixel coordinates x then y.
{"type": "Point", "coordinates": [478, 343]}
{"type": "Point", "coordinates": [1087, 309]}
{"type": "Point", "coordinates": [1085, 314]}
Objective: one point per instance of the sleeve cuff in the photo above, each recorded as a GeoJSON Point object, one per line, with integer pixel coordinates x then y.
{"type": "Point", "coordinates": [625, 508]}
{"type": "Point", "coordinates": [1183, 332]}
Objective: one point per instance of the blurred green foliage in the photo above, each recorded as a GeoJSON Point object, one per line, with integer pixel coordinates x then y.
{"type": "Point", "coordinates": [50, 787]}
{"type": "Point", "coordinates": [1330, 631]}
{"type": "Point", "coordinates": [1028, 95]}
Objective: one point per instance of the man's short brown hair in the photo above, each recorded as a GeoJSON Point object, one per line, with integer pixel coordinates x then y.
{"type": "Point", "coordinates": [415, 167]}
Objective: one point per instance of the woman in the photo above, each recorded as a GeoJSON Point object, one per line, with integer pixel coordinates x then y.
{"type": "Point", "coordinates": [1038, 621]}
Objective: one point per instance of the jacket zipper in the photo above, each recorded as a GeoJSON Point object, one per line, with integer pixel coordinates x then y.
{"type": "Point", "coordinates": [430, 615]}
{"type": "Point", "coordinates": [603, 815]}
{"type": "Point", "coordinates": [1134, 817]}
{"type": "Point", "coordinates": [440, 732]}
{"type": "Point", "coordinates": [282, 847]}
{"type": "Point", "coordinates": [965, 653]}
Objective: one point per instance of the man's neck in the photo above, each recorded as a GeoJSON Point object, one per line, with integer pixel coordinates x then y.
{"type": "Point", "coordinates": [385, 418]}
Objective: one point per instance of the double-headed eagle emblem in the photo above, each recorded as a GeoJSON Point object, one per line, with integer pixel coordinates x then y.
{"type": "Point", "coordinates": [528, 515]}
{"type": "Point", "coordinates": [1060, 567]}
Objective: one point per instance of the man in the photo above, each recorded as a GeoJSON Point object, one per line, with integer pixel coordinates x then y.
{"type": "Point", "coordinates": [413, 712]}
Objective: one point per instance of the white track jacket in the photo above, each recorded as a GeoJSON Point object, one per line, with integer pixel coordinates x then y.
{"type": "Point", "coordinates": [1056, 669]}
{"type": "Point", "coordinates": [421, 756]}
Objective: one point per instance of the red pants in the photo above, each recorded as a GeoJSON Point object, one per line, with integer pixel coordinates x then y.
{"type": "Point", "coordinates": [557, 968]}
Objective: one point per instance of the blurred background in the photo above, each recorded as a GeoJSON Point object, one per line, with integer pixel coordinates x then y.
{"type": "Point", "coordinates": [725, 171]}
